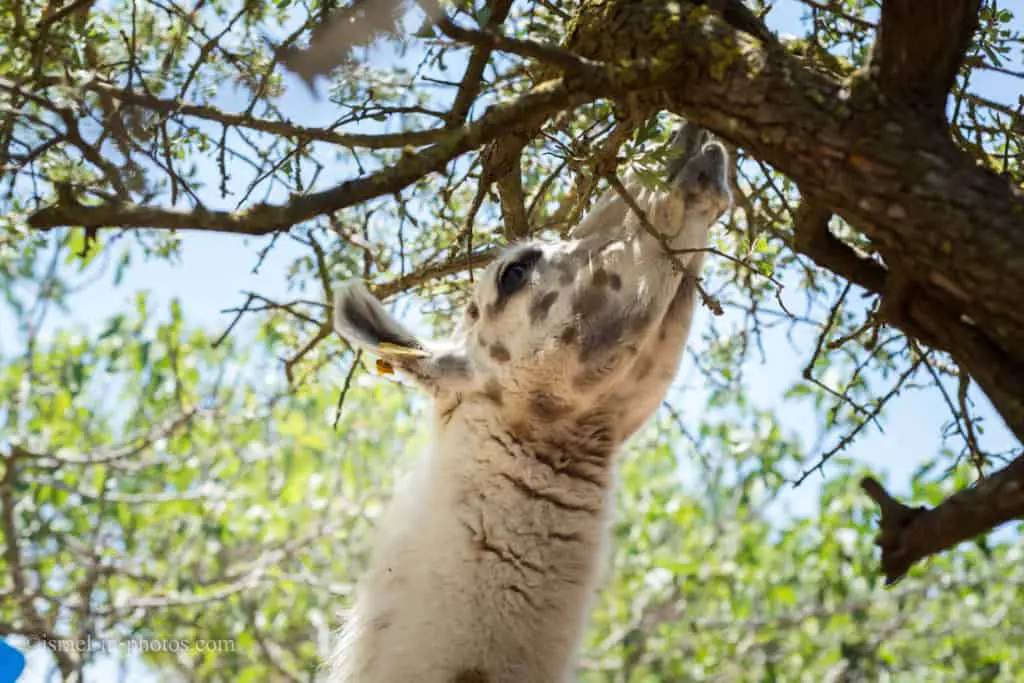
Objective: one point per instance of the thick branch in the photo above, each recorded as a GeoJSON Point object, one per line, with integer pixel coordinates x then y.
{"type": "Point", "coordinates": [434, 271]}
{"type": "Point", "coordinates": [908, 535]}
{"type": "Point", "coordinates": [513, 201]}
{"type": "Point", "coordinates": [501, 163]}
{"type": "Point", "coordinates": [814, 239]}
{"type": "Point", "coordinates": [919, 50]}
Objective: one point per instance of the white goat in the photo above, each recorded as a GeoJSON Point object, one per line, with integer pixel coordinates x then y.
{"type": "Point", "coordinates": [486, 561]}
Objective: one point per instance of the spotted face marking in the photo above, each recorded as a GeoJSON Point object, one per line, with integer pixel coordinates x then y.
{"type": "Point", "coordinates": [473, 312]}
{"type": "Point", "coordinates": [568, 335]}
{"type": "Point", "coordinates": [474, 675]}
{"type": "Point", "coordinates": [639, 322]}
{"type": "Point", "coordinates": [589, 302]}
{"type": "Point", "coordinates": [600, 278]}
{"type": "Point", "coordinates": [600, 337]}
{"type": "Point", "coordinates": [540, 306]}
{"type": "Point", "coordinates": [500, 353]}
{"type": "Point", "coordinates": [382, 623]}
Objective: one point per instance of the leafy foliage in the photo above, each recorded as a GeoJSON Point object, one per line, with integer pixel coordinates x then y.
{"type": "Point", "coordinates": [236, 512]}
{"type": "Point", "coordinates": [160, 479]}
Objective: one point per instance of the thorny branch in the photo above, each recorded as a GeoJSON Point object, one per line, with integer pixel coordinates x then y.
{"type": "Point", "coordinates": [265, 218]}
{"type": "Point", "coordinates": [922, 312]}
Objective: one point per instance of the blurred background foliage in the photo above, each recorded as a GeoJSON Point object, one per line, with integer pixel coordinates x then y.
{"type": "Point", "coordinates": [165, 476]}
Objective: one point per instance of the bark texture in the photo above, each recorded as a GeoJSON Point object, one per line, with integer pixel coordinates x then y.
{"type": "Point", "coordinates": [908, 534]}
{"type": "Point", "coordinates": [951, 229]}
{"type": "Point", "coordinates": [876, 150]}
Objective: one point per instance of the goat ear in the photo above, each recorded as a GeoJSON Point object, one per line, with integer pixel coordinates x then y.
{"type": "Point", "coordinates": [361, 319]}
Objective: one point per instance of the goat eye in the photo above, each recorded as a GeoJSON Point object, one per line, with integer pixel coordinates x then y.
{"type": "Point", "coordinates": [513, 276]}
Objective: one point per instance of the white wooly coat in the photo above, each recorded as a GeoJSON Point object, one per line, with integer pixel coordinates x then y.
{"type": "Point", "coordinates": [487, 559]}
{"type": "Point", "coordinates": [508, 611]}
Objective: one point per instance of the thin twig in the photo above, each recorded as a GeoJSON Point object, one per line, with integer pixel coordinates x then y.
{"type": "Point", "coordinates": [344, 387]}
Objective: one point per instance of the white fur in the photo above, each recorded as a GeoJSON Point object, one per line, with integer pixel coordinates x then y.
{"type": "Point", "coordinates": [458, 612]}
{"type": "Point", "coordinates": [486, 561]}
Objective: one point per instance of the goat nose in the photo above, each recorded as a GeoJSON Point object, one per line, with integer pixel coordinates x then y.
{"type": "Point", "coordinates": [686, 143]}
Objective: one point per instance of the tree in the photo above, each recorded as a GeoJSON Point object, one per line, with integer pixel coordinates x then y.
{"type": "Point", "coordinates": [871, 179]}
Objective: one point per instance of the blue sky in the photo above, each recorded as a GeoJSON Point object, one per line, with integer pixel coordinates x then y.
{"type": "Point", "coordinates": [215, 269]}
